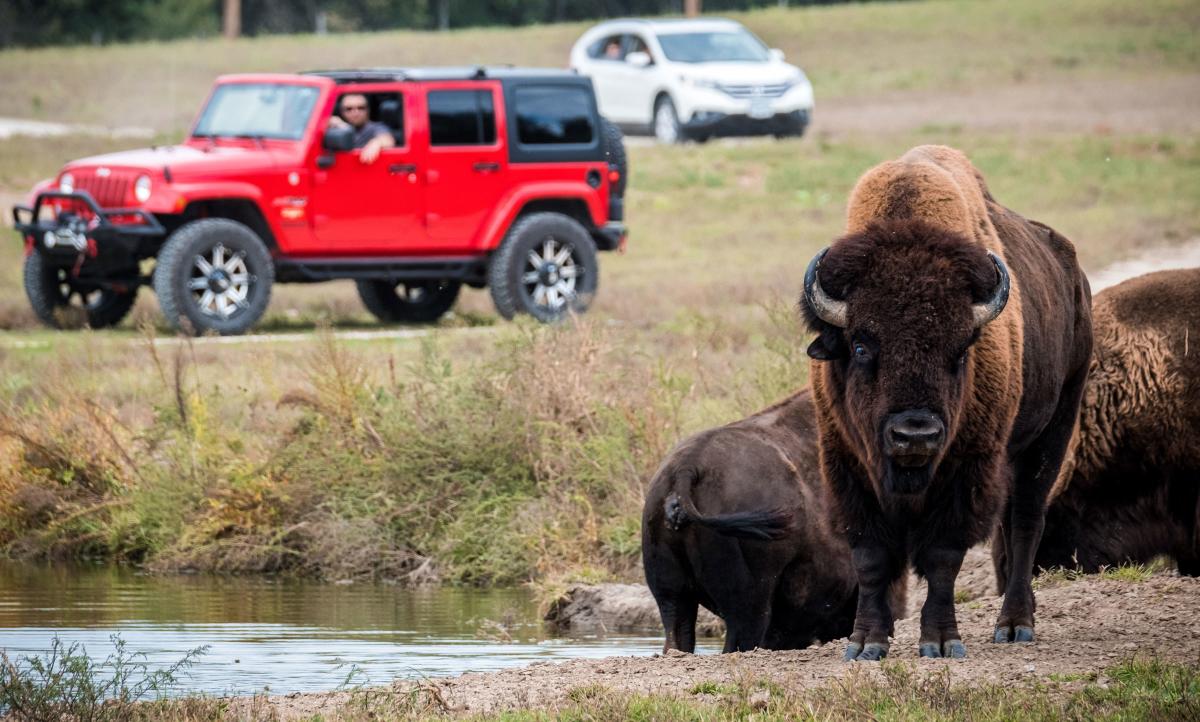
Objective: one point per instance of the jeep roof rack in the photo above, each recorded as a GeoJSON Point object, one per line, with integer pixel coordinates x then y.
{"type": "Point", "coordinates": [464, 72]}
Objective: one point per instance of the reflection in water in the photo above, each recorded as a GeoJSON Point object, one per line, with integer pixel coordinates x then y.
{"type": "Point", "coordinates": [281, 634]}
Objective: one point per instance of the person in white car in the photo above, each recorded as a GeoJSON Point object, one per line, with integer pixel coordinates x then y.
{"type": "Point", "coordinates": [692, 79]}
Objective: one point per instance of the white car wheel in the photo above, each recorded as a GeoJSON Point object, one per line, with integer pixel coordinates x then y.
{"type": "Point", "coordinates": [666, 122]}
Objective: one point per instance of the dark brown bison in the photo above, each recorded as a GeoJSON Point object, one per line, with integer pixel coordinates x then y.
{"type": "Point", "coordinates": [952, 349]}
{"type": "Point", "coordinates": [736, 520]}
{"type": "Point", "coordinates": [1129, 489]}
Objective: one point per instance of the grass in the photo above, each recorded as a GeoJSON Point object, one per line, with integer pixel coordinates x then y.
{"type": "Point", "coordinates": [1131, 573]}
{"type": "Point", "coordinates": [65, 683]}
{"type": "Point", "coordinates": [848, 50]}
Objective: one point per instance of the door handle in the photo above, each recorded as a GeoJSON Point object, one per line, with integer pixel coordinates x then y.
{"type": "Point", "coordinates": [486, 167]}
{"type": "Point", "coordinates": [401, 168]}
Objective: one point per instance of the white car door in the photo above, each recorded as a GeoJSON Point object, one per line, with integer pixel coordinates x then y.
{"type": "Point", "coordinates": [609, 72]}
{"type": "Point", "coordinates": [642, 83]}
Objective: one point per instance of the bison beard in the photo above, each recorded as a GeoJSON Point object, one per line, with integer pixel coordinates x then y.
{"type": "Point", "coordinates": [953, 339]}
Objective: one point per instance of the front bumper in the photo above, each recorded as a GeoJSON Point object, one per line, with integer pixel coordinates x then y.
{"type": "Point", "coordinates": [708, 124]}
{"type": "Point", "coordinates": [84, 231]}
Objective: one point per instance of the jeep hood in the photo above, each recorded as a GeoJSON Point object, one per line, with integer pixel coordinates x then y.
{"type": "Point", "coordinates": [189, 161]}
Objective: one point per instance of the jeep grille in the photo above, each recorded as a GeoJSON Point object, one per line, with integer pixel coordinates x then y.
{"type": "Point", "coordinates": [111, 191]}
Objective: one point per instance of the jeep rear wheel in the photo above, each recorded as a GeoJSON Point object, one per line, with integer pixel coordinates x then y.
{"type": "Point", "coordinates": [408, 301]}
{"type": "Point", "coordinates": [213, 275]}
{"type": "Point", "coordinates": [62, 302]}
{"type": "Point", "coordinates": [545, 267]}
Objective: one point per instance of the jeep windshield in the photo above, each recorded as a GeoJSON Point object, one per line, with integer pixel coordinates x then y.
{"type": "Point", "coordinates": [713, 47]}
{"type": "Point", "coordinates": [257, 110]}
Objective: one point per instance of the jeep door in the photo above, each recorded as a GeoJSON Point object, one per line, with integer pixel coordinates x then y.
{"type": "Point", "coordinates": [467, 164]}
{"type": "Point", "coordinates": [376, 208]}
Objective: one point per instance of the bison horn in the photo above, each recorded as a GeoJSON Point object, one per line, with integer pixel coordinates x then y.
{"type": "Point", "coordinates": [827, 309]}
{"type": "Point", "coordinates": [987, 311]}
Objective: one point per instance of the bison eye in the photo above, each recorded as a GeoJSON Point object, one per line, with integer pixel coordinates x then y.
{"type": "Point", "coordinates": [860, 352]}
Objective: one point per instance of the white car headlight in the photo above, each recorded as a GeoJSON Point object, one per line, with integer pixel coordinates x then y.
{"type": "Point", "coordinates": [141, 188]}
{"type": "Point", "coordinates": [66, 184]}
{"type": "Point", "coordinates": [701, 83]}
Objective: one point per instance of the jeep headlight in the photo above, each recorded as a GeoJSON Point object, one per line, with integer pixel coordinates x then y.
{"type": "Point", "coordinates": [141, 188]}
{"type": "Point", "coordinates": [66, 184]}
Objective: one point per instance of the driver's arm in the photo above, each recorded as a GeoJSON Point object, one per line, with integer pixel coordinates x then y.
{"type": "Point", "coordinates": [371, 150]}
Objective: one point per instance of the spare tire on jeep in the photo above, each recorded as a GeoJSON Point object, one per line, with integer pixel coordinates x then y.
{"type": "Point", "coordinates": [614, 150]}
{"type": "Point", "coordinates": [546, 267]}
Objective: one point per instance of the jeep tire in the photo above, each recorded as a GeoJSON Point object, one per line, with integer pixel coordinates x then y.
{"type": "Point", "coordinates": [214, 275]}
{"type": "Point", "coordinates": [51, 292]}
{"type": "Point", "coordinates": [546, 267]}
{"type": "Point", "coordinates": [408, 301]}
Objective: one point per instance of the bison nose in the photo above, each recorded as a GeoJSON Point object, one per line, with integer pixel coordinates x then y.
{"type": "Point", "coordinates": [917, 433]}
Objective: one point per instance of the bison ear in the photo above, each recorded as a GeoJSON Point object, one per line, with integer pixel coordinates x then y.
{"type": "Point", "coordinates": [824, 348]}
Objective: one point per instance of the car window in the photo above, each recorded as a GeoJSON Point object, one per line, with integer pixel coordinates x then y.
{"type": "Point", "coordinates": [724, 46]}
{"type": "Point", "coordinates": [553, 115]}
{"type": "Point", "coordinates": [609, 47]}
{"type": "Point", "coordinates": [266, 110]}
{"type": "Point", "coordinates": [386, 108]}
{"type": "Point", "coordinates": [461, 117]}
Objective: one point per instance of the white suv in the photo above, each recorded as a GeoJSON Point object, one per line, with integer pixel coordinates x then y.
{"type": "Point", "coordinates": [692, 79]}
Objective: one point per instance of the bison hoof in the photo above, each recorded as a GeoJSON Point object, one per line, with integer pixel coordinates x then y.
{"type": "Point", "coordinates": [951, 649]}
{"type": "Point", "coordinates": [1017, 633]}
{"type": "Point", "coordinates": [871, 652]}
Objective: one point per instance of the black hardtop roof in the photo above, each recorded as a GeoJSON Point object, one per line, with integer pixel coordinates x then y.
{"type": "Point", "coordinates": [463, 72]}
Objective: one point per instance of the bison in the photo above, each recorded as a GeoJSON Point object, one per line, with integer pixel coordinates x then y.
{"type": "Point", "coordinates": [953, 341]}
{"type": "Point", "coordinates": [736, 520]}
{"type": "Point", "coordinates": [1129, 488]}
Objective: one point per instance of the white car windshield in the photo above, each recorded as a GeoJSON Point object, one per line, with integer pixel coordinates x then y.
{"type": "Point", "coordinates": [257, 110]}
{"type": "Point", "coordinates": [713, 47]}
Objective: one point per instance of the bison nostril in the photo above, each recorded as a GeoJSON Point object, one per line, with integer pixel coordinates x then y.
{"type": "Point", "coordinates": [916, 431]}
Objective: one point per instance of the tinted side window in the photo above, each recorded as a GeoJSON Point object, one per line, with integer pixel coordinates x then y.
{"type": "Point", "coordinates": [553, 116]}
{"type": "Point", "coordinates": [461, 117]}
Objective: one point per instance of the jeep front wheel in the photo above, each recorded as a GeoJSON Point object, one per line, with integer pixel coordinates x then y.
{"type": "Point", "coordinates": [213, 275]}
{"type": "Point", "coordinates": [545, 267]}
{"type": "Point", "coordinates": [60, 301]}
{"type": "Point", "coordinates": [408, 301]}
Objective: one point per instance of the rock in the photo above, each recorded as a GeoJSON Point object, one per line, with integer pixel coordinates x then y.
{"type": "Point", "coordinates": [604, 608]}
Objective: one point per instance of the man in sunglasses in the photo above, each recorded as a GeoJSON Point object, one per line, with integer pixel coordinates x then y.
{"type": "Point", "coordinates": [371, 136]}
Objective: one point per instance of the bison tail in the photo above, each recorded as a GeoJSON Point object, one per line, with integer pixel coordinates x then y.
{"type": "Point", "coordinates": [762, 525]}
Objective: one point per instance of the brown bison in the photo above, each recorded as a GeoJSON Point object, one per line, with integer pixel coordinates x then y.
{"type": "Point", "coordinates": [952, 350]}
{"type": "Point", "coordinates": [735, 519]}
{"type": "Point", "coordinates": [1129, 489]}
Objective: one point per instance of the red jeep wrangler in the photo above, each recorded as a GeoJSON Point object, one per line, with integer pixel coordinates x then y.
{"type": "Point", "coordinates": [504, 178]}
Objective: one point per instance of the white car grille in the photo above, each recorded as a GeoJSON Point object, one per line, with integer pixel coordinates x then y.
{"type": "Point", "coordinates": [747, 92]}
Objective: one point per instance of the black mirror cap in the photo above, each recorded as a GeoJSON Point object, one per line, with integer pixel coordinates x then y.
{"type": "Point", "coordinates": [339, 138]}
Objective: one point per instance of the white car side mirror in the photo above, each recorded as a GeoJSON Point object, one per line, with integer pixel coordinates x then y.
{"type": "Point", "coordinates": [776, 55]}
{"type": "Point", "coordinates": [638, 59]}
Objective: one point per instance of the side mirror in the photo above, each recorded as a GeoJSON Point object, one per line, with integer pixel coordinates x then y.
{"type": "Point", "coordinates": [338, 138]}
{"type": "Point", "coordinates": [638, 59]}
{"type": "Point", "coordinates": [776, 54]}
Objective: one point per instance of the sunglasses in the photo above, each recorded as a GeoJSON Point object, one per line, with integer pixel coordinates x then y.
{"type": "Point", "coordinates": [353, 107]}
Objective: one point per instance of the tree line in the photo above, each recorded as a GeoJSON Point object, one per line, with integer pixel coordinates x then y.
{"type": "Point", "coordinates": [32, 23]}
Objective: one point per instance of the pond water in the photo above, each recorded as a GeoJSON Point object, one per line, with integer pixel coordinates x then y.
{"type": "Point", "coordinates": [283, 635]}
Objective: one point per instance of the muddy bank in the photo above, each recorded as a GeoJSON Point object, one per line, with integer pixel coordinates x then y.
{"type": "Point", "coordinates": [604, 608]}
{"type": "Point", "coordinates": [1083, 626]}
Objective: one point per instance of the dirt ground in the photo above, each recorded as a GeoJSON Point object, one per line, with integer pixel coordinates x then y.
{"type": "Point", "coordinates": [1083, 626]}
